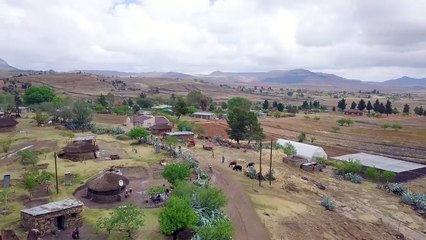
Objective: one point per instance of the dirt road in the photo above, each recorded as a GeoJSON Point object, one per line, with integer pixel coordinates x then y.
{"type": "Point", "coordinates": [246, 222]}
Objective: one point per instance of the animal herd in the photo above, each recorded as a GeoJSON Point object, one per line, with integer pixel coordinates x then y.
{"type": "Point", "coordinates": [239, 168]}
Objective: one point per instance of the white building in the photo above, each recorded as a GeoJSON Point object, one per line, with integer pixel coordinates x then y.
{"type": "Point", "coordinates": [307, 151]}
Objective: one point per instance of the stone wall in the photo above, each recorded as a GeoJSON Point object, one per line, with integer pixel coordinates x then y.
{"type": "Point", "coordinates": [47, 222]}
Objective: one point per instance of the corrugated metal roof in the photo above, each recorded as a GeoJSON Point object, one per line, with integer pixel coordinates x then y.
{"type": "Point", "coordinates": [204, 113]}
{"type": "Point", "coordinates": [381, 162]}
{"type": "Point", "coordinates": [53, 207]}
{"type": "Point", "coordinates": [181, 133]}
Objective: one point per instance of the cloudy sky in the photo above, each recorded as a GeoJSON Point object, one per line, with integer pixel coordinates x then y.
{"type": "Point", "coordinates": [362, 39]}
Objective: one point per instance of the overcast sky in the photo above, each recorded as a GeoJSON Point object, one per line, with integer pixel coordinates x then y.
{"type": "Point", "coordinates": [363, 39]}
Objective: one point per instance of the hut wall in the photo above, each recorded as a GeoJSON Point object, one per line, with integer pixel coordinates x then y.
{"type": "Point", "coordinates": [160, 131]}
{"type": "Point", "coordinates": [79, 156]}
{"type": "Point", "coordinates": [48, 222]}
{"type": "Point", "coordinates": [7, 129]}
{"type": "Point", "coordinates": [104, 198]}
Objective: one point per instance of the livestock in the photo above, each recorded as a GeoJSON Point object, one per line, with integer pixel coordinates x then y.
{"type": "Point", "coordinates": [251, 164]}
{"type": "Point", "coordinates": [238, 168]}
{"type": "Point", "coordinates": [232, 163]}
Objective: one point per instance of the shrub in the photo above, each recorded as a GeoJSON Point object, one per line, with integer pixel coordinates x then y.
{"type": "Point", "coordinates": [155, 190]}
{"type": "Point", "coordinates": [335, 129]}
{"type": "Point", "coordinates": [301, 137]}
{"type": "Point", "coordinates": [396, 188]}
{"type": "Point", "coordinates": [5, 144]}
{"type": "Point", "coordinates": [388, 176]}
{"type": "Point", "coordinates": [372, 173]}
{"type": "Point", "coordinates": [351, 166]}
{"type": "Point", "coordinates": [28, 157]}
{"type": "Point", "coordinates": [386, 126]}
{"type": "Point", "coordinates": [355, 178]}
{"type": "Point", "coordinates": [176, 172]}
{"type": "Point", "coordinates": [396, 127]}
{"type": "Point", "coordinates": [316, 118]}
{"type": "Point", "coordinates": [328, 203]}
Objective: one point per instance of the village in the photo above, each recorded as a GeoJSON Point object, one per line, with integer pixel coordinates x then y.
{"type": "Point", "coordinates": [71, 178]}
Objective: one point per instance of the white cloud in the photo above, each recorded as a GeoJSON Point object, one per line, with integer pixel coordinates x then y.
{"type": "Point", "coordinates": [359, 39]}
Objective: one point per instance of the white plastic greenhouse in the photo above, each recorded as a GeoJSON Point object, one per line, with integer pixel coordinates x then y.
{"type": "Point", "coordinates": [309, 152]}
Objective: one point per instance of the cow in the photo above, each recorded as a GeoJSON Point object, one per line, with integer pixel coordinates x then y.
{"type": "Point", "coordinates": [237, 168]}
{"type": "Point", "coordinates": [250, 165]}
{"type": "Point", "coordinates": [232, 163]}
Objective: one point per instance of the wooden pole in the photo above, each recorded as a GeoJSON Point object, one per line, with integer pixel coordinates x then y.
{"type": "Point", "coordinates": [56, 174]}
{"type": "Point", "coordinates": [260, 164]}
{"type": "Point", "coordinates": [270, 165]}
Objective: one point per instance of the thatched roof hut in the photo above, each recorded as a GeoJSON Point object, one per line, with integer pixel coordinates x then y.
{"type": "Point", "coordinates": [106, 188]}
{"type": "Point", "coordinates": [79, 151]}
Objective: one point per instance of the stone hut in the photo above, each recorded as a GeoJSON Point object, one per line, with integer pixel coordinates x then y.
{"type": "Point", "coordinates": [7, 124]}
{"type": "Point", "coordinates": [47, 218]}
{"type": "Point", "coordinates": [105, 188]}
{"type": "Point", "coordinates": [295, 161]}
{"type": "Point", "coordinates": [79, 151]}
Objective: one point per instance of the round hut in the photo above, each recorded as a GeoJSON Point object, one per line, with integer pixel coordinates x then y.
{"type": "Point", "coordinates": [79, 151]}
{"type": "Point", "coordinates": [105, 188]}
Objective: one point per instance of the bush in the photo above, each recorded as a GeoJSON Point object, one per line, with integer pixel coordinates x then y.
{"type": "Point", "coordinates": [184, 126]}
{"type": "Point", "coordinates": [396, 127]}
{"type": "Point", "coordinates": [104, 130]}
{"type": "Point", "coordinates": [353, 177]}
{"type": "Point", "coordinates": [396, 188]}
{"type": "Point", "coordinates": [155, 190]}
{"type": "Point", "coordinates": [176, 172]}
{"type": "Point", "coordinates": [351, 166]}
{"type": "Point", "coordinates": [372, 173]}
{"type": "Point", "coordinates": [328, 203]}
{"type": "Point", "coordinates": [387, 176]}
{"type": "Point", "coordinates": [29, 157]}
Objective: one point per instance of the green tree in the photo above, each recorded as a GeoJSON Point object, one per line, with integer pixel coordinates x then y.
{"type": "Point", "coordinates": [376, 106]}
{"type": "Point", "coordinates": [128, 218]}
{"type": "Point", "coordinates": [349, 121]}
{"type": "Point", "coordinates": [6, 102]}
{"type": "Point", "coordinates": [220, 229]}
{"type": "Point", "coordinates": [388, 107]}
{"type": "Point", "coordinates": [342, 104]}
{"type": "Point", "coordinates": [361, 105]}
{"type": "Point", "coordinates": [223, 105]}
{"type": "Point", "coordinates": [353, 105]}
{"type": "Point", "coordinates": [280, 107]}
{"type": "Point", "coordinates": [274, 104]}
{"type": "Point", "coordinates": [177, 215]}
{"type": "Point", "coordinates": [180, 107]}
{"type": "Point", "coordinates": [144, 102]}
{"type": "Point", "coordinates": [205, 102]}
{"type": "Point", "coordinates": [185, 126]}
{"type": "Point", "coordinates": [265, 104]}
{"type": "Point", "coordinates": [35, 95]}
{"type": "Point", "coordinates": [41, 118]}
{"type": "Point", "coordinates": [369, 106]}
{"type": "Point", "coordinates": [122, 110]}
{"type": "Point", "coordinates": [81, 114]}
{"type": "Point", "coordinates": [138, 134]}
{"type": "Point", "coordinates": [192, 109]}
{"type": "Point", "coordinates": [193, 98]}
{"type": "Point", "coordinates": [243, 125]}
{"type": "Point", "coordinates": [176, 172]}
{"type": "Point", "coordinates": [239, 102]}
{"type": "Point", "coordinates": [102, 100]}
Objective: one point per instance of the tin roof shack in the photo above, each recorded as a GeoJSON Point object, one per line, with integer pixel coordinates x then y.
{"type": "Point", "coordinates": [182, 135]}
{"type": "Point", "coordinates": [61, 215]}
{"type": "Point", "coordinates": [105, 188]}
{"type": "Point", "coordinates": [7, 124]}
{"type": "Point", "coordinates": [204, 115]}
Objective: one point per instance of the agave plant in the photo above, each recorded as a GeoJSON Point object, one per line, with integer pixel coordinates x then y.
{"type": "Point", "coordinates": [353, 177]}
{"type": "Point", "coordinates": [328, 203]}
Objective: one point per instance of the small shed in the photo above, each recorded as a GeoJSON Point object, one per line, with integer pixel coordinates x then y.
{"type": "Point", "coordinates": [79, 151]}
{"type": "Point", "coordinates": [61, 215]}
{"type": "Point", "coordinates": [7, 124]}
{"type": "Point", "coordinates": [182, 135]}
{"type": "Point", "coordinates": [204, 115]}
{"type": "Point", "coordinates": [160, 129]}
{"type": "Point", "coordinates": [105, 188]}
{"type": "Point", "coordinates": [306, 151]}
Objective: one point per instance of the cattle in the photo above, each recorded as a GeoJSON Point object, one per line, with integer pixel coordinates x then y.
{"type": "Point", "coordinates": [232, 163]}
{"type": "Point", "coordinates": [250, 165]}
{"type": "Point", "coordinates": [237, 168]}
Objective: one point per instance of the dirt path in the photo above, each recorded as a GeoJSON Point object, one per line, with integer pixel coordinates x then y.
{"type": "Point", "coordinates": [246, 222]}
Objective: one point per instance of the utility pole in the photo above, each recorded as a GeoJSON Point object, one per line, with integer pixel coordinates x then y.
{"type": "Point", "coordinates": [260, 164]}
{"type": "Point", "coordinates": [56, 174]}
{"type": "Point", "coordinates": [270, 166]}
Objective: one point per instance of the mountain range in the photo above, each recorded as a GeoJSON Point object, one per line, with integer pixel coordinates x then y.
{"type": "Point", "coordinates": [295, 77]}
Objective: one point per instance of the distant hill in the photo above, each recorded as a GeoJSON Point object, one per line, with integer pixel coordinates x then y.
{"type": "Point", "coordinates": [4, 66]}
{"type": "Point", "coordinates": [107, 73]}
{"type": "Point", "coordinates": [296, 76]}
{"type": "Point", "coordinates": [406, 82]}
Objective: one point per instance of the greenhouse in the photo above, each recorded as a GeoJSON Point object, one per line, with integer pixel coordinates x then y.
{"type": "Point", "coordinates": [306, 151]}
